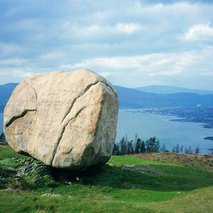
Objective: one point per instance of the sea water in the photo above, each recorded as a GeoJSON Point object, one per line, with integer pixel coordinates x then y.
{"type": "Point", "coordinates": [170, 133]}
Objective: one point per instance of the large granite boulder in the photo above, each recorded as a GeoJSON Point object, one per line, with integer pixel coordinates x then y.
{"type": "Point", "coordinates": [64, 119]}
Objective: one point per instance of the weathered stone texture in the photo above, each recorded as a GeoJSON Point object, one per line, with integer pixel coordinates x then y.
{"type": "Point", "coordinates": [64, 119]}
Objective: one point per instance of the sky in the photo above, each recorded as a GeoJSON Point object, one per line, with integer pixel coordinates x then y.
{"type": "Point", "coordinates": [131, 43]}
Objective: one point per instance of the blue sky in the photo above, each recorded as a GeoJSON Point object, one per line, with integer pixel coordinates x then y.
{"type": "Point", "coordinates": [130, 42]}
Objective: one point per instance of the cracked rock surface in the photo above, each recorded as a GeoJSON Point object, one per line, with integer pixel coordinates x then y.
{"type": "Point", "coordinates": [64, 119]}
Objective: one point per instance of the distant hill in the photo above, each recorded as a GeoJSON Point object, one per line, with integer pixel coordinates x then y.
{"type": "Point", "coordinates": [132, 98]}
{"type": "Point", "coordinates": [157, 89]}
{"type": "Point", "coordinates": [5, 93]}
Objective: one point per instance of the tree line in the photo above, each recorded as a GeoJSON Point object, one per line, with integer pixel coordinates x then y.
{"type": "Point", "coordinates": [138, 145]}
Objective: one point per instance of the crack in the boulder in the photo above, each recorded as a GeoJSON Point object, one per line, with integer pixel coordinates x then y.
{"type": "Point", "coordinates": [82, 93]}
{"type": "Point", "coordinates": [69, 110]}
{"type": "Point", "coordinates": [62, 133]}
{"type": "Point", "coordinates": [111, 89]}
{"type": "Point", "coordinates": [76, 98]}
{"type": "Point", "coordinates": [26, 110]}
{"type": "Point", "coordinates": [19, 116]}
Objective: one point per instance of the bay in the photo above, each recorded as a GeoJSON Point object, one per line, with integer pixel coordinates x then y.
{"type": "Point", "coordinates": [170, 133]}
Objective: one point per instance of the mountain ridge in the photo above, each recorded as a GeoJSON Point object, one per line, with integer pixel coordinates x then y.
{"type": "Point", "coordinates": [133, 98]}
{"type": "Point", "coordinates": [161, 89]}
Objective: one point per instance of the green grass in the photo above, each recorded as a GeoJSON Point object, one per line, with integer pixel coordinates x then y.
{"type": "Point", "coordinates": [125, 184]}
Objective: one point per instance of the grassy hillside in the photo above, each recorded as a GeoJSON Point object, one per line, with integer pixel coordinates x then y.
{"type": "Point", "coordinates": [148, 183]}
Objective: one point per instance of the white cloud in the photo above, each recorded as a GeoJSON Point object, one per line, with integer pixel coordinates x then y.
{"type": "Point", "coordinates": [105, 74]}
{"type": "Point", "coordinates": [10, 49]}
{"type": "Point", "coordinates": [102, 30]}
{"type": "Point", "coordinates": [22, 74]}
{"type": "Point", "coordinates": [13, 62]}
{"type": "Point", "coordinates": [131, 71]}
{"type": "Point", "coordinates": [52, 56]}
{"type": "Point", "coordinates": [199, 32]}
{"type": "Point", "coordinates": [16, 73]}
{"type": "Point", "coordinates": [128, 28]}
{"type": "Point", "coordinates": [147, 66]}
{"type": "Point", "coordinates": [94, 29]}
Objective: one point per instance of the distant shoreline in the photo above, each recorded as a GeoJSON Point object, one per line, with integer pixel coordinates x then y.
{"type": "Point", "coordinates": [202, 115]}
{"type": "Point", "coordinates": [210, 138]}
{"type": "Point", "coordinates": [205, 125]}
